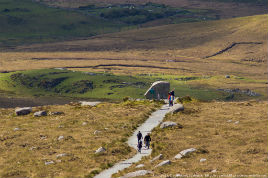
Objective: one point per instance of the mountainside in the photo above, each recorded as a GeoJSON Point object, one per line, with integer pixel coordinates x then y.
{"type": "Point", "coordinates": [239, 38]}
{"type": "Point", "coordinates": [224, 8]}
{"type": "Point", "coordinates": [25, 22]}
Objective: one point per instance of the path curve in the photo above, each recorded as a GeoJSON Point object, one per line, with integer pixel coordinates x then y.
{"type": "Point", "coordinates": [153, 121]}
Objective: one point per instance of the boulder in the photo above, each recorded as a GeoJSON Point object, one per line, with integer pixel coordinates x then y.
{"type": "Point", "coordinates": [96, 132]}
{"type": "Point", "coordinates": [176, 108]}
{"type": "Point", "coordinates": [167, 124]}
{"type": "Point", "coordinates": [84, 123]}
{"type": "Point", "coordinates": [60, 137]}
{"type": "Point", "coordinates": [203, 160]}
{"type": "Point", "coordinates": [100, 150]}
{"type": "Point", "coordinates": [42, 137]}
{"type": "Point", "coordinates": [88, 103]}
{"type": "Point", "coordinates": [237, 122]}
{"type": "Point", "coordinates": [57, 113]}
{"type": "Point", "coordinates": [157, 158]}
{"type": "Point", "coordinates": [158, 90]}
{"type": "Point", "coordinates": [163, 163]}
{"type": "Point", "coordinates": [33, 148]}
{"type": "Point", "coordinates": [40, 113]}
{"type": "Point", "coordinates": [178, 156]}
{"type": "Point", "coordinates": [139, 166]}
{"type": "Point", "coordinates": [185, 153]}
{"type": "Point", "coordinates": [214, 171]}
{"type": "Point", "coordinates": [61, 155]}
{"type": "Point", "coordinates": [49, 162]}
{"type": "Point", "coordinates": [23, 111]}
{"type": "Point", "coordinates": [137, 173]}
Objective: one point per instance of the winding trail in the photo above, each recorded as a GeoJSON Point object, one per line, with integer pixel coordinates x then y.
{"type": "Point", "coordinates": [153, 121]}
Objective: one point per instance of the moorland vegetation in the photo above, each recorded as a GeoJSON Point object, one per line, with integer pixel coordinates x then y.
{"type": "Point", "coordinates": [217, 66]}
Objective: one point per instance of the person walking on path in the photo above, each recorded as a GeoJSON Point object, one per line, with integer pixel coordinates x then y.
{"type": "Point", "coordinates": [139, 146]}
{"type": "Point", "coordinates": [139, 136]}
{"type": "Point", "coordinates": [147, 140]}
{"type": "Point", "coordinates": [170, 101]}
{"type": "Point", "coordinates": [173, 94]}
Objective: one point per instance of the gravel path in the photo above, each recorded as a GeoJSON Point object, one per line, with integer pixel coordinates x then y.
{"type": "Point", "coordinates": [146, 127]}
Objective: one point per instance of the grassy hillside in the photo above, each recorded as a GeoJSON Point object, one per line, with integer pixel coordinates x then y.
{"type": "Point", "coordinates": [235, 47]}
{"type": "Point", "coordinates": [64, 83]}
{"type": "Point", "coordinates": [223, 8]}
{"type": "Point", "coordinates": [25, 22]}
{"type": "Point", "coordinates": [230, 138]}
{"type": "Point", "coordinates": [27, 143]}
{"type": "Point", "coordinates": [199, 39]}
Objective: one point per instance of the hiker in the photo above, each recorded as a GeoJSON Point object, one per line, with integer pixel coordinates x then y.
{"type": "Point", "coordinates": [147, 140]}
{"type": "Point", "coordinates": [139, 136]}
{"type": "Point", "coordinates": [170, 100]}
{"type": "Point", "coordinates": [173, 94]}
{"type": "Point", "coordinates": [139, 146]}
{"type": "Point", "coordinates": [152, 92]}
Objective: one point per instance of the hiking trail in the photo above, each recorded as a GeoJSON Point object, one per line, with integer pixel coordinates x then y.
{"type": "Point", "coordinates": [153, 121]}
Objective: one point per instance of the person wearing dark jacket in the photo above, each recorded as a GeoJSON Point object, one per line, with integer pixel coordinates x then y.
{"type": "Point", "coordinates": [139, 136]}
{"type": "Point", "coordinates": [147, 140]}
{"type": "Point", "coordinates": [173, 94]}
{"type": "Point", "coordinates": [139, 146]}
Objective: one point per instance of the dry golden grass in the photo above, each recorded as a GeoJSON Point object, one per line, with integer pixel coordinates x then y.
{"type": "Point", "coordinates": [23, 153]}
{"type": "Point", "coordinates": [181, 49]}
{"type": "Point", "coordinates": [237, 149]}
{"type": "Point", "coordinates": [179, 40]}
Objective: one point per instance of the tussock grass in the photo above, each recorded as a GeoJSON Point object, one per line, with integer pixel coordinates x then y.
{"type": "Point", "coordinates": [237, 149]}
{"type": "Point", "coordinates": [25, 151]}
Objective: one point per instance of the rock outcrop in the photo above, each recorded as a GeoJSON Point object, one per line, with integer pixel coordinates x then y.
{"type": "Point", "coordinates": [158, 90]}
{"type": "Point", "coordinates": [168, 124]}
{"type": "Point", "coordinates": [23, 111]}
{"type": "Point", "coordinates": [40, 113]}
{"type": "Point", "coordinates": [57, 113]}
{"type": "Point", "coordinates": [157, 158]}
{"type": "Point", "coordinates": [185, 153]}
{"type": "Point", "coordinates": [100, 150]}
{"type": "Point", "coordinates": [88, 103]}
{"type": "Point", "coordinates": [163, 163]}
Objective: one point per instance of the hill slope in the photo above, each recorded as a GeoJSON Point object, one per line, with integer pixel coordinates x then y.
{"type": "Point", "coordinates": [224, 8]}
{"type": "Point", "coordinates": [25, 22]}
{"type": "Point", "coordinates": [197, 40]}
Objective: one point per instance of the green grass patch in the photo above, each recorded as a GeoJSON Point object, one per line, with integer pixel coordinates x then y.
{"type": "Point", "coordinates": [135, 14]}
{"type": "Point", "coordinates": [57, 82]}
{"type": "Point", "coordinates": [26, 22]}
